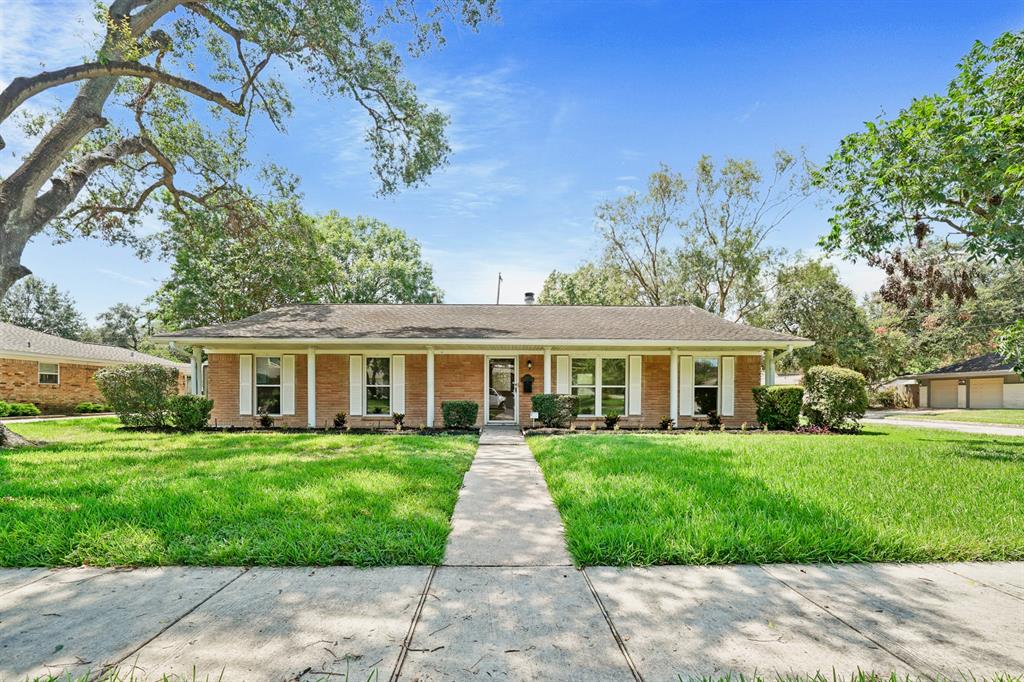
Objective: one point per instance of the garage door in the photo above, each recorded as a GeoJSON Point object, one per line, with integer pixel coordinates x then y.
{"type": "Point", "coordinates": [987, 393]}
{"type": "Point", "coordinates": [943, 393]}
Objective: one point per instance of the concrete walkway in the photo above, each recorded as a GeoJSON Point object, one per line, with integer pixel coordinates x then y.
{"type": "Point", "coordinates": [893, 419]}
{"type": "Point", "coordinates": [516, 623]}
{"type": "Point", "coordinates": [505, 515]}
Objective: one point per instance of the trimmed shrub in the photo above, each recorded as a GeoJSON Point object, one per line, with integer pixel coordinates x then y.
{"type": "Point", "coordinates": [459, 414]}
{"type": "Point", "coordinates": [834, 395]}
{"type": "Point", "coordinates": [138, 393]}
{"type": "Point", "coordinates": [888, 398]}
{"type": "Point", "coordinates": [555, 410]}
{"type": "Point", "coordinates": [5, 409]}
{"type": "Point", "coordinates": [22, 410]}
{"type": "Point", "coordinates": [611, 420]}
{"type": "Point", "coordinates": [90, 408]}
{"type": "Point", "coordinates": [189, 412]}
{"type": "Point", "coordinates": [778, 407]}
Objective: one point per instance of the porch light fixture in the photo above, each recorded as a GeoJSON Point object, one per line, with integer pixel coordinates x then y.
{"type": "Point", "coordinates": [529, 364]}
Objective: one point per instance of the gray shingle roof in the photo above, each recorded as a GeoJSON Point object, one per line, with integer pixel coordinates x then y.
{"type": "Point", "coordinates": [989, 362]}
{"type": "Point", "coordinates": [14, 339]}
{"type": "Point", "coordinates": [471, 321]}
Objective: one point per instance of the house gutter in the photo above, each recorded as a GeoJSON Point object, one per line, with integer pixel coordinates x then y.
{"type": "Point", "coordinates": [391, 341]}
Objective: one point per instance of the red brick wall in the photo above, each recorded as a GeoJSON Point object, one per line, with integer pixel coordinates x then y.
{"type": "Point", "coordinates": [456, 377]}
{"type": "Point", "coordinates": [19, 383]}
{"type": "Point", "coordinates": [459, 377]}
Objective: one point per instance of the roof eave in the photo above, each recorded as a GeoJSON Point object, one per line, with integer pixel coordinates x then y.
{"type": "Point", "coordinates": [774, 344]}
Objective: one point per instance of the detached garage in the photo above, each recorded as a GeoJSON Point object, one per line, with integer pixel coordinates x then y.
{"type": "Point", "coordinates": [985, 382]}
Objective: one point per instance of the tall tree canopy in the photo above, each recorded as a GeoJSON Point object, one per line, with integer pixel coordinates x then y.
{"type": "Point", "coordinates": [949, 164]}
{"type": "Point", "coordinates": [35, 304]}
{"type": "Point", "coordinates": [224, 269]}
{"type": "Point", "coordinates": [810, 301]}
{"type": "Point", "coordinates": [125, 325]}
{"type": "Point", "coordinates": [136, 128]}
{"type": "Point", "coordinates": [699, 240]}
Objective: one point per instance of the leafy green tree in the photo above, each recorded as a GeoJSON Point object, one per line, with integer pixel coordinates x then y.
{"type": "Point", "coordinates": [35, 304]}
{"type": "Point", "coordinates": [223, 270]}
{"type": "Point", "coordinates": [810, 301]}
{"type": "Point", "coordinates": [1011, 345]}
{"type": "Point", "coordinates": [164, 107]}
{"type": "Point", "coordinates": [948, 164]}
{"type": "Point", "coordinates": [124, 325]}
{"type": "Point", "coordinates": [724, 261]}
{"type": "Point", "coordinates": [370, 262]}
{"type": "Point", "coordinates": [590, 284]}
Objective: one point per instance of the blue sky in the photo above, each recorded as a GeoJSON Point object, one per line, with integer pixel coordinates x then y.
{"type": "Point", "coordinates": [560, 105]}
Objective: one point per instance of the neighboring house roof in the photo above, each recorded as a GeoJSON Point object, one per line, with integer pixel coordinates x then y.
{"type": "Point", "coordinates": [468, 322]}
{"type": "Point", "coordinates": [989, 363]}
{"type": "Point", "coordinates": [20, 342]}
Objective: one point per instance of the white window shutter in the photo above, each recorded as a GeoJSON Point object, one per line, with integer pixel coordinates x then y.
{"type": "Point", "coordinates": [355, 385]}
{"type": "Point", "coordinates": [686, 384]}
{"type": "Point", "coordinates": [398, 383]}
{"type": "Point", "coordinates": [562, 374]}
{"type": "Point", "coordinates": [287, 384]}
{"type": "Point", "coordinates": [635, 388]}
{"type": "Point", "coordinates": [244, 384]}
{"type": "Point", "coordinates": [728, 386]}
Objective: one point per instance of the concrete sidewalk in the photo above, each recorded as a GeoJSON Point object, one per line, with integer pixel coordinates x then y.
{"type": "Point", "coordinates": [520, 623]}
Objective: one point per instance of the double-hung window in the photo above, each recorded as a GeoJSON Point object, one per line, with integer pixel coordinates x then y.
{"type": "Point", "coordinates": [49, 373]}
{"type": "Point", "coordinates": [600, 385]}
{"type": "Point", "coordinates": [613, 386]}
{"type": "Point", "coordinates": [584, 384]}
{"type": "Point", "coordinates": [378, 385]}
{"type": "Point", "coordinates": [705, 385]}
{"type": "Point", "coordinates": [268, 384]}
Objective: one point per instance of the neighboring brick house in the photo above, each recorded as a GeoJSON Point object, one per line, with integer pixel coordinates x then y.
{"type": "Point", "coordinates": [305, 363]}
{"type": "Point", "coordinates": [57, 374]}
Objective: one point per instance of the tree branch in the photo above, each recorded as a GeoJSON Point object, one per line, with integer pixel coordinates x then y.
{"type": "Point", "coordinates": [23, 88]}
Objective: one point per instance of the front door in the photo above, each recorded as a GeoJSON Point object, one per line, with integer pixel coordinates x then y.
{"type": "Point", "coordinates": [502, 395]}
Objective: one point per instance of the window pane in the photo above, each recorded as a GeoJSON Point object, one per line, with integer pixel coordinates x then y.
{"type": "Point", "coordinates": [378, 371]}
{"type": "Point", "coordinates": [584, 371]}
{"type": "Point", "coordinates": [48, 379]}
{"type": "Point", "coordinates": [268, 399]}
{"type": "Point", "coordinates": [613, 400]}
{"type": "Point", "coordinates": [705, 399]}
{"type": "Point", "coordinates": [586, 396]}
{"type": "Point", "coordinates": [613, 372]}
{"type": "Point", "coordinates": [378, 400]}
{"type": "Point", "coordinates": [268, 370]}
{"type": "Point", "coordinates": [705, 372]}
{"type": "Point", "coordinates": [47, 367]}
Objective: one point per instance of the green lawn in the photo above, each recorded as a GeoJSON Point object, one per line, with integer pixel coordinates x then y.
{"type": "Point", "coordinates": [100, 495]}
{"type": "Point", "coordinates": [889, 494]}
{"type": "Point", "coordinates": [1015, 417]}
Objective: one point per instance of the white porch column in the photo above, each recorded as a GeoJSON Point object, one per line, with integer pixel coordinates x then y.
{"type": "Point", "coordinates": [311, 387]}
{"type": "Point", "coordinates": [430, 387]}
{"type": "Point", "coordinates": [197, 370]}
{"type": "Point", "coordinates": [673, 385]}
{"type": "Point", "coordinates": [769, 367]}
{"type": "Point", "coordinates": [547, 369]}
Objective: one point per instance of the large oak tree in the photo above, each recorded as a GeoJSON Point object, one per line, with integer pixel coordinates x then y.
{"type": "Point", "coordinates": [165, 105]}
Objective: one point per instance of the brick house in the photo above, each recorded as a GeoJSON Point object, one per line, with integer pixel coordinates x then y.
{"type": "Point", "coordinates": [305, 363]}
{"type": "Point", "coordinates": [57, 374]}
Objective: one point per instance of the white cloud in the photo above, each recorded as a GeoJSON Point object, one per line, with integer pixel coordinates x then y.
{"type": "Point", "coordinates": [122, 277]}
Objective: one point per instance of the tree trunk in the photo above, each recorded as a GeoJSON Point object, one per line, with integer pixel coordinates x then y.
{"type": "Point", "coordinates": [11, 249]}
{"type": "Point", "coordinates": [9, 439]}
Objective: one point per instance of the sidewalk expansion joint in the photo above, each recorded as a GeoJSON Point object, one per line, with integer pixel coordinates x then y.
{"type": "Point", "coordinates": [611, 626]}
{"type": "Point", "coordinates": [908, 657]}
{"type": "Point", "coordinates": [407, 642]}
{"type": "Point", "coordinates": [981, 582]}
{"type": "Point", "coordinates": [106, 668]}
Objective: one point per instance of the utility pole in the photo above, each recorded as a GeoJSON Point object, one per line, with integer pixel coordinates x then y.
{"type": "Point", "coordinates": [499, 289]}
